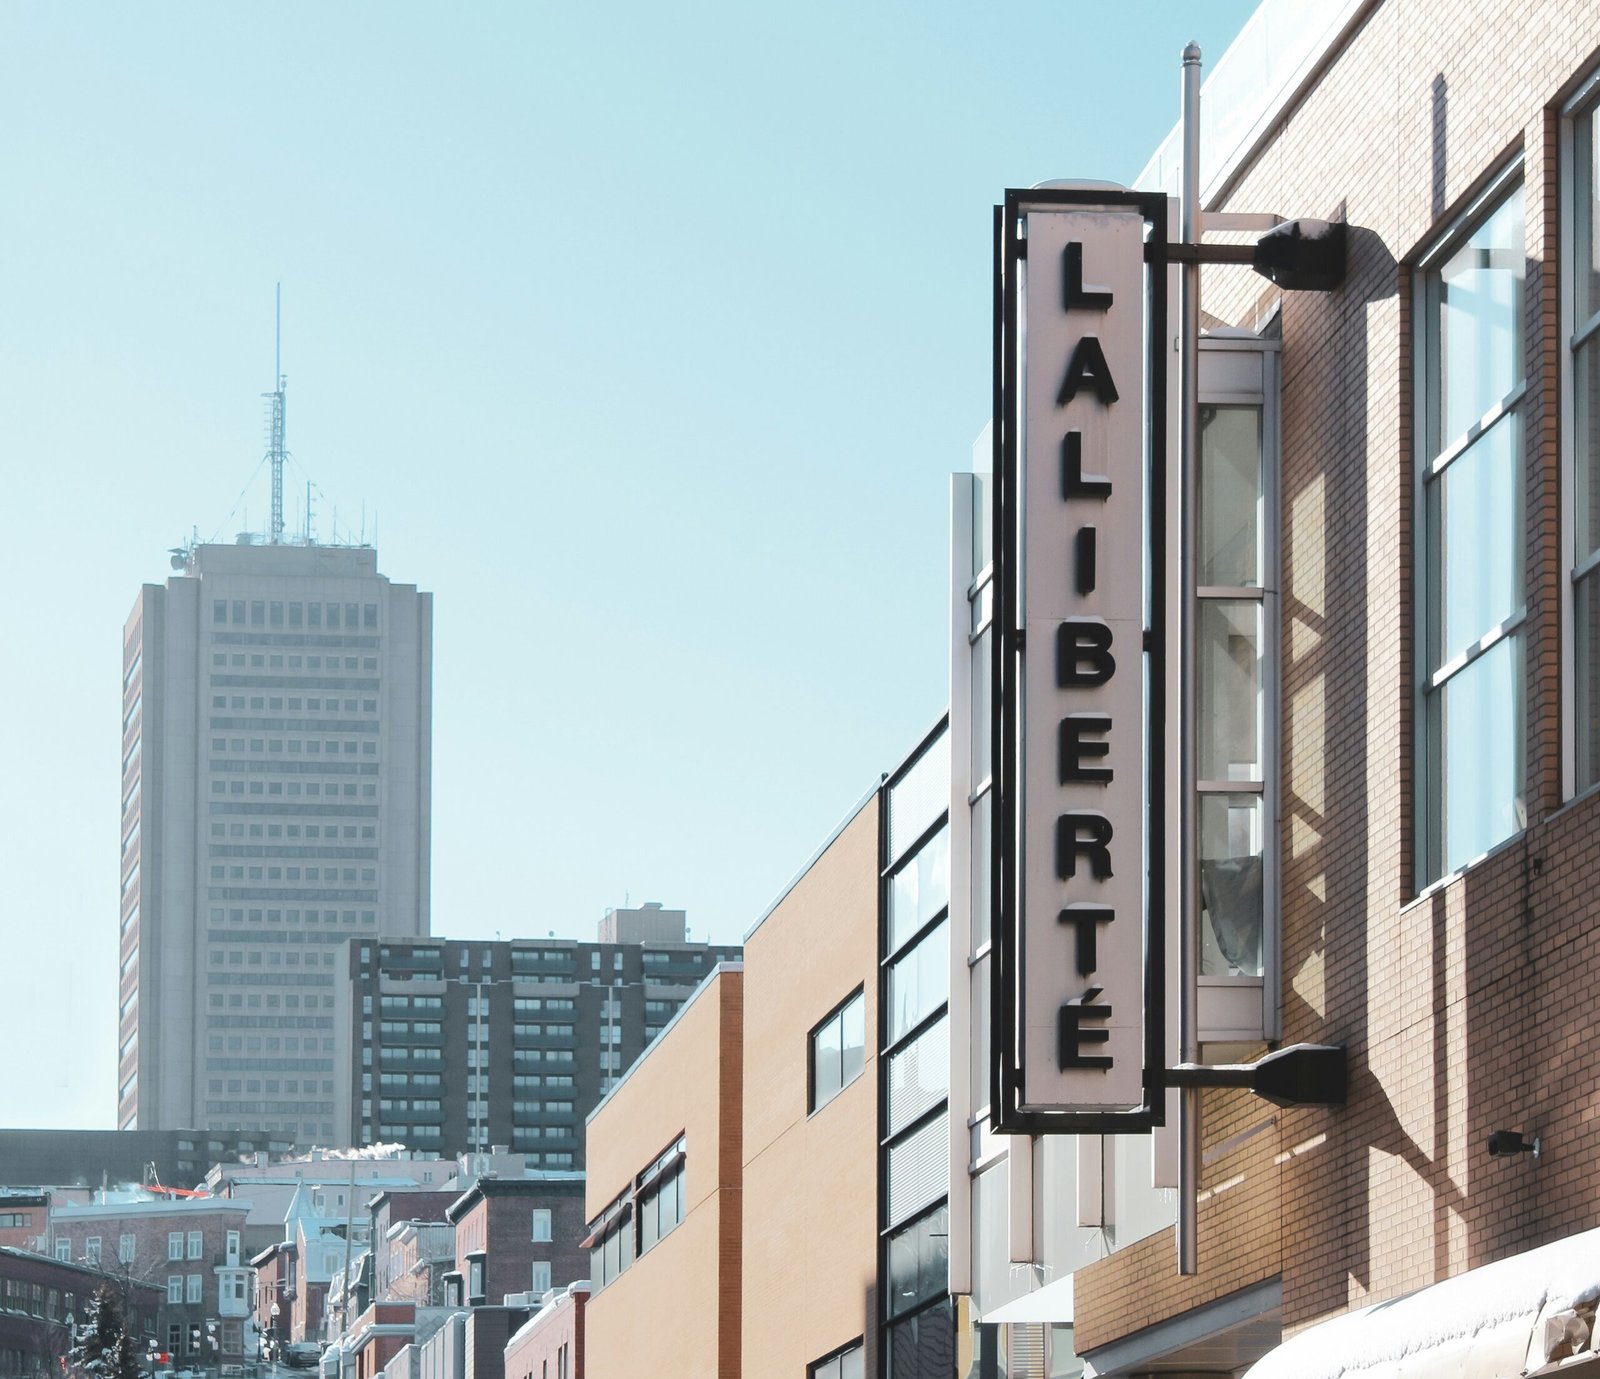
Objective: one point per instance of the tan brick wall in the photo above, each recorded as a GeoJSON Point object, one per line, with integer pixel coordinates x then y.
{"type": "Point", "coordinates": [1464, 1010]}
{"type": "Point", "coordinates": [675, 1311]}
{"type": "Point", "coordinates": [810, 1199]}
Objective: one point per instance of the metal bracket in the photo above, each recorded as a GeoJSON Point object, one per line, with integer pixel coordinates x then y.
{"type": "Point", "coordinates": [1299, 1075]}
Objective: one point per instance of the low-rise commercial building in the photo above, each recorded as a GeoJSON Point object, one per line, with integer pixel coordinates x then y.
{"type": "Point", "coordinates": [664, 1198]}
{"type": "Point", "coordinates": [811, 1110]}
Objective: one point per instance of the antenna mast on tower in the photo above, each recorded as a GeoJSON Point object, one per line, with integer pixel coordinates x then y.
{"type": "Point", "coordinates": [275, 450]}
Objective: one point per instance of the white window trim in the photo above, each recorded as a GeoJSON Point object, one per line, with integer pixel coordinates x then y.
{"type": "Point", "coordinates": [1427, 871]}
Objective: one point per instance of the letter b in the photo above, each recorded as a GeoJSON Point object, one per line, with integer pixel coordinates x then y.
{"type": "Point", "coordinates": [1083, 654]}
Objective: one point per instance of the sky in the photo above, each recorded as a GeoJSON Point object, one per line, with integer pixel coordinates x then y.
{"type": "Point", "coordinates": [644, 337]}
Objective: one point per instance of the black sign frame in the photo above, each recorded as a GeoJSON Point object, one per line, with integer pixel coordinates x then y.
{"type": "Point", "coordinates": [1007, 954]}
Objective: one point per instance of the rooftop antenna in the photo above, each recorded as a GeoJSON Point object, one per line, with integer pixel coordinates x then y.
{"type": "Point", "coordinates": [275, 450]}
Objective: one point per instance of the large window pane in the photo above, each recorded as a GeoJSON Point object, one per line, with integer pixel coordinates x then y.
{"type": "Point", "coordinates": [920, 889]}
{"type": "Point", "coordinates": [852, 1040]}
{"type": "Point", "coordinates": [827, 1070]}
{"type": "Point", "coordinates": [1475, 526]}
{"type": "Point", "coordinates": [838, 1050]}
{"type": "Point", "coordinates": [919, 1170]}
{"type": "Point", "coordinates": [1228, 652]}
{"type": "Point", "coordinates": [1475, 741]}
{"type": "Point", "coordinates": [1230, 496]}
{"type": "Point", "coordinates": [981, 760]}
{"type": "Point", "coordinates": [1586, 658]}
{"type": "Point", "coordinates": [919, 1262]}
{"type": "Point", "coordinates": [1586, 447]}
{"type": "Point", "coordinates": [1477, 302]}
{"type": "Point", "coordinates": [919, 797]}
{"type": "Point", "coordinates": [982, 810]}
{"type": "Point", "coordinates": [1586, 221]}
{"type": "Point", "coordinates": [919, 982]}
{"type": "Point", "coordinates": [918, 1076]}
{"type": "Point", "coordinates": [1230, 885]}
{"type": "Point", "coordinates": [1472, 360]}
{"type": "Point", "coordinates": [923, 1346]}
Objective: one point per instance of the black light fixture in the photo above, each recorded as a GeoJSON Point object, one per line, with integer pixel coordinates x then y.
{"type": "Point", "coordinates": [1507, 1144]}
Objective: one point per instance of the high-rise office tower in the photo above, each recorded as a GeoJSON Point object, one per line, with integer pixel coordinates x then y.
{"type": "Point", "coordinates": [276, 739]}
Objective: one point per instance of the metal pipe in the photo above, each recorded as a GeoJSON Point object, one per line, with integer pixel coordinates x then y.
{"type": "Point", "coordinates": [1189, 232]}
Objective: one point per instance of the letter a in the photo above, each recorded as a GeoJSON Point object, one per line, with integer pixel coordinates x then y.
{"type": "Point", "coordinates": [1087, 366]}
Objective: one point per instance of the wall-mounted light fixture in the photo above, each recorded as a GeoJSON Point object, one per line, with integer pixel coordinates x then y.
{"type": "Point", "coordinates": [1507, 1144]}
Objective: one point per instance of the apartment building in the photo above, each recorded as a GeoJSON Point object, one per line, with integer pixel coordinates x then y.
{"type": "Point", "coordinates": [458, 1045]}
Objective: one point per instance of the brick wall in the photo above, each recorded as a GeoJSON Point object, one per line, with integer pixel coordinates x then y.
{"type": "Point", "coordinates": [1462, 1008]}
{"type": "Point", "coordinates": [533, 1351]}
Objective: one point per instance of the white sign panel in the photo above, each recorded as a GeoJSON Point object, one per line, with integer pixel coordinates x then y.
{"type": "Point", "coordinates": [1079, 903]}
{"type": "Point", "coordinates": [1083, 684]}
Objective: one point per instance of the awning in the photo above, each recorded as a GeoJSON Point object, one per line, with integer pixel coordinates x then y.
{"type": "Point", "coordinates": [1052, 1303]}
{"type": "Point", "coordinates": [1531, 1314]}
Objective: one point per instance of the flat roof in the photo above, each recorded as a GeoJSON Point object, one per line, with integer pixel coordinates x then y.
{"type": "Point", "coordinates": [705, 983]}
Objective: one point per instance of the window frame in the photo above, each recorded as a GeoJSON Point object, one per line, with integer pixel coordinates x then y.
{"type": "Point", "coordinates": [818, 1368]}
{"type": "Point", "coordinates": [1583, 105]}
{"type": "Point", "coordinates": [1430, 819]}
{"type": "Point", "coordinates": [837, 1013]}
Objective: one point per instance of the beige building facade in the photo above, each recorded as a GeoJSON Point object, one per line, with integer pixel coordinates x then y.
{"type": "Point", "coordinates": [665, 1198]}
{"type": "Point", "coordinates": [809, 1150]}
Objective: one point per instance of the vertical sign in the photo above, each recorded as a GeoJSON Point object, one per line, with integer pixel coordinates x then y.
{"type": "Point", "coordinates": [1078, 865]}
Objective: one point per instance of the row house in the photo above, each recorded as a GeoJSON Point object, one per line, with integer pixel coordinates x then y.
{"type": "Point", "coordinates": [42, 1297]}
{"type": "Point", "coordinates": [191, 1248]}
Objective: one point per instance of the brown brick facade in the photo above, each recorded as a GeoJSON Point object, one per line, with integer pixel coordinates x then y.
{"type": "Point", "coordinates": [1464, 1008]}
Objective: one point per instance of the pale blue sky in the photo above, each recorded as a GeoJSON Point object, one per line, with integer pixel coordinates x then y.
{"type": "Point", "coordinates": [646, 334]}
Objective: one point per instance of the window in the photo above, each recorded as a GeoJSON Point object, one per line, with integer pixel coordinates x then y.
{"type": "Point", "coordinates": [175, 1245]}
{"type": "Point", "coordinates": [838, 1050]}
{"type": "Point", "coordinates": [91, 1251]}
{"type": "Point", "coordinates": [540, 1281]}
{"type": "Point", "coordinates": [849, 1363]}
{"type": "Point", "coordinates": [126, 1246]}
{"type": "Point", "coordinates": [1581, 327]}
{"type": "Point", "coordinates": [1235, 641]}
{"type": "Point", "coordinates": [1470, 516]}
{"type": "Point", "coordinates": [196, 1244]}
{"type": "Point", "coordinates": [64, 1249]}
{"type": "Point", "coordinates": [541, 1224]}
{"type": "Point", "coordinates": [195, 1292]}
{"type": "Point", "coordinates": [174, 1288]}
{"type": "Point", "coordinates": [660, 1194]}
